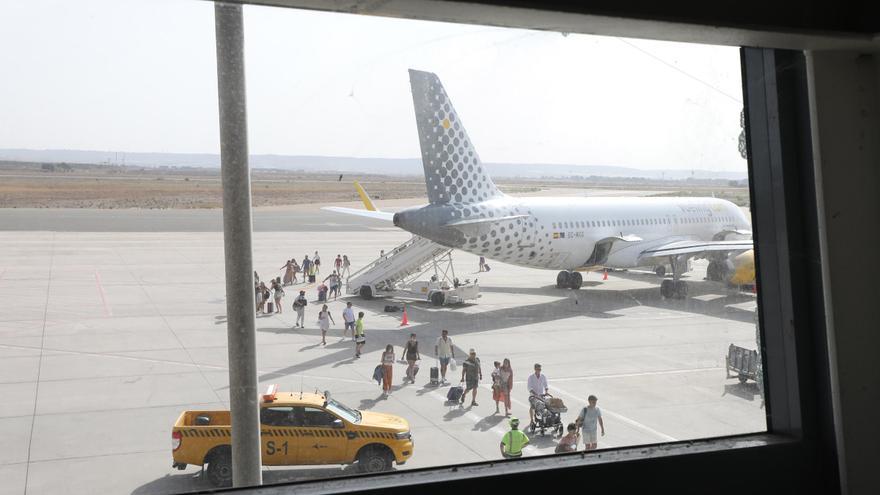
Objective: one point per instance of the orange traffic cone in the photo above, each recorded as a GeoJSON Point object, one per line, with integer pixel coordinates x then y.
{"type": "Point", "coordinates": [405, 320]}
{"type": "Point", "coordinates": [605, 275]}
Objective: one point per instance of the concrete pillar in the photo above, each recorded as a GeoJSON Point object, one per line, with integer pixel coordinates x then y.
{"type": "Point", "coordinates": [240, 307]}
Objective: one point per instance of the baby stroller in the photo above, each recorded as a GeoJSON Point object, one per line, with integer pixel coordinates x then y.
{"type": "Point", "coordinates": [548, 414]}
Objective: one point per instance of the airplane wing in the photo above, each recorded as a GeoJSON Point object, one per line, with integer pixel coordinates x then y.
{"type": "Point", "coordinates": [695, 247]}
{"type": "Point", "coordinates": [380, 215]}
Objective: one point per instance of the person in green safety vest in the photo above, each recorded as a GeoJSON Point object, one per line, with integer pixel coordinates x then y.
{"type": "Point", "coordinates": [514, 441]}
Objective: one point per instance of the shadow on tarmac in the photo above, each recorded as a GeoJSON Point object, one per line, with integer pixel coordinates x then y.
{"type": "Point", "coordinates": [748, 391]}
{"type": "Point", "coordinates": [592, 304]}
{"type": "Point", "coordinates": [488, 422]}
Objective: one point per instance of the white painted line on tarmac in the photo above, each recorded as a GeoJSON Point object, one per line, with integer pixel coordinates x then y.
{"type": "Point", "coordinates": [107, 311]}
{"type": "Point", "coordinates": [497, 429]}
{"type": "Point", "coordinates": [622, 418]}
{"type": "Point", "coordinates": [629, 375]}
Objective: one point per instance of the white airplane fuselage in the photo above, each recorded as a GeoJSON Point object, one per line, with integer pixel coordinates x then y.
{"type": "Point", "coordinates": [562, 233]}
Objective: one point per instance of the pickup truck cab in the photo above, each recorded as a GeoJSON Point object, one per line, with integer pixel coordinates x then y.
{"type": "Point", "coordinates": [296, 429]}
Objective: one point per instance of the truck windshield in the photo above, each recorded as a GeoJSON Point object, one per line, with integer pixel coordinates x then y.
{"type": "Point", "coordinates": [345, 412]}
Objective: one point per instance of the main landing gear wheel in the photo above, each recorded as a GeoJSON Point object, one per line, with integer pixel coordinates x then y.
{"type": "Point", "coordinates": [575, 280]}
{"type": "Point", "coordinates": [676, 289]}
{"type": "Point", "coordinates": [562, 280]}
{"type": "Point", "coordinates": [366, 292]}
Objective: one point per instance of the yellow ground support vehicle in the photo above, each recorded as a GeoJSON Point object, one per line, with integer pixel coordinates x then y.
{"type": "Point", "coordinates": [296, 429]}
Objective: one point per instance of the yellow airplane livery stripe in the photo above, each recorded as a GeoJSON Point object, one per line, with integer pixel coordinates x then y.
{"type": "Point", "coordinates": [368, 203]}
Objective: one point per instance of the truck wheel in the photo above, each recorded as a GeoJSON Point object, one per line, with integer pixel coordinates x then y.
{"type": "Point", "coordinates": [366, 292]}
{"type": "Point", "coordinates": [375, 459]}
{"type": "Point", "coordinates": [438, 298]}
{"type": "Point", "coordinates": [220, 467]}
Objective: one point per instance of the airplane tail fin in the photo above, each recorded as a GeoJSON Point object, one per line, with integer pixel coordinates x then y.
{"type": "Point", "coordinates": [453, 171]}
{"type": "Point", "coordinates": [365, 198]}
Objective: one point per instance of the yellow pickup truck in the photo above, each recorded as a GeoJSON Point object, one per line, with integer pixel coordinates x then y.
{"type": "Point", "coordinates": [296, 429]}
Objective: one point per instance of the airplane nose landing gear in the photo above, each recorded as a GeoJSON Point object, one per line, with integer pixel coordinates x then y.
{"type": "Point", "coordinates": [675, 288]}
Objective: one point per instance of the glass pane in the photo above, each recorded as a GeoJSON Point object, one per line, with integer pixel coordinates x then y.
{"type": "Point", "coordinates": [474, 138]}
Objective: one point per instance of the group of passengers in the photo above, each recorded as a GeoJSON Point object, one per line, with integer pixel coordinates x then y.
{"type": "Point", "coordinates": [265, 294]}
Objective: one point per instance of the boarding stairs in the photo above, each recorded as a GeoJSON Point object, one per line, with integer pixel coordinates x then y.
{"type": "Point", "coordinates": [386, 272]}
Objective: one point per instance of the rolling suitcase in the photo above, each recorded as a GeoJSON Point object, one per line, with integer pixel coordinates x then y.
{"type": "Point", "coordinates": [435, 375]}
{"type": "Point", "coordinates": [270, 307]}
{"type": "Point", "coordinates": [454, 394]}
{"type": "Point", "coordinates": [311, 279]}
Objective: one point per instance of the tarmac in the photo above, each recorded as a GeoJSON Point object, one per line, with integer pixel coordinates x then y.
{"type": "Point", "coordinates": [105, 337]}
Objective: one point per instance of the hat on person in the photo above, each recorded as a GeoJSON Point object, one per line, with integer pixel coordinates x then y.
{"type": "Point", "coordinates": [514, 422]}
{"type": "Point", "coordinates": [472, 351]}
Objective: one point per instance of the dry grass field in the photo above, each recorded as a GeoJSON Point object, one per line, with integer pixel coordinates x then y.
{"type": "Point", "coordinates": [34, 185]}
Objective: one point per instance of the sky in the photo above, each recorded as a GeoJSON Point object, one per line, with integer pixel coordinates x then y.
{"type": "Point", "coordinates": [140, 75]}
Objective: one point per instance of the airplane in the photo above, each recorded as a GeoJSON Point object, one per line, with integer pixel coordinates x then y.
{"type": "Point", "coordinates": [467, 211]}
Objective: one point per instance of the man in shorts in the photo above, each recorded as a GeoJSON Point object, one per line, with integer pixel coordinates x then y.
{"type": "Point", "coordinates": [359, 337]}
{"type": "Point", "coordinates": [587, 419]}
{"type": "Point", "coordinates": [471, 374]}
{"type": "Point", "coordinates": [444, 350]}
{"type": "Point", "coordinates": [538, 386]}
{"type": "Point", "coordinates": [348, 317]}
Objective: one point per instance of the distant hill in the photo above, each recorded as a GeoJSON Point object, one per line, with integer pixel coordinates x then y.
{"type": "Point", "coordinates": [391, 166]}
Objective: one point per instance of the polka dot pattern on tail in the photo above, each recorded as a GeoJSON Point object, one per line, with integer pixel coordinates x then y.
{"type": "Point", "coordinates": [453, 171]}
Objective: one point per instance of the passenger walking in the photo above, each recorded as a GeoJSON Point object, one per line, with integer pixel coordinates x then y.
{"type": "Point", "coordinates": [266, 295]}
{"type": "Point", "coordinates": [346, 266]}
{"type": "Point", "coordinates": [294, 270]}
{"type": "Point", "coordinates": [288, 272]}
{"type": "Point", "coordinates": [538, 386]}
{"type": "Point", "coordinates": [306, 265]}
{"type": "Point", "coordinates": [333, 282]}
{"type": "Point", "coordinates": [256, 277]}
{"type": "Point", "coordinates": [337, 263]}
{"type": "Point", "coordinates": [348, 319]}
{"type": "Point", "coordinates": [444, 351]}
{"type": "Point", "coordinates": [471, 374]}
{"type": "Point", "coordinates": [313, 272]}
{"type": "Point", "coordinates": [514, 441]}
{"type": "Point", "coordinates": [482, 263]}
{"type": "Point", "coordinates": [411, 355]}
{"type": "Point", "coordinates": [278, 293]}
{"type": "Point", "coordinates": [505, 375]}
{"type": "Point", "coordinates": [316, 262]}
{"type": "Point", "coordinates": [587, 419]}
{"type": "Point", "coordinates": [258, 295]}
{"type": "Point", "coordinates": [299, 305]}
{"type": "Point", "coordinates": [496, 385]}
{"type": "Point", "coordinates": [387, 369]}
{"type": "Point", "coordinates": [324, 319]}
{"type": "Point", "coordinates": [360, 338]}
{"type": "Point", "coordinates": [568, 443]}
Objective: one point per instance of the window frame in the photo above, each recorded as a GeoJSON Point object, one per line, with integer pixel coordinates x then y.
{"type": "Point", "coordinates": [795, 454]}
